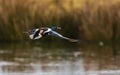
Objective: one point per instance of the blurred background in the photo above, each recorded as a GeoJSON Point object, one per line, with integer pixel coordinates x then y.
{"type": "Point", "coordinates": [88, 20]}
{"type": "Point", "coordinates": [94, 22]}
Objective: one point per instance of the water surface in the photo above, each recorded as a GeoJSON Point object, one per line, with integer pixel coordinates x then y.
{"type": "Point", "coordinates": [59, 59]}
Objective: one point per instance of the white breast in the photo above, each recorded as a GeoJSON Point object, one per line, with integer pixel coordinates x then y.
{"type": "Point", "coordinates": [38, 36]}
{"type": "Point", "coordinates": [31, 36]}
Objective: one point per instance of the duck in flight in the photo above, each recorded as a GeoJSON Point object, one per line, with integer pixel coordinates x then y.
{"type": "Point", "coordinates": [44, 31]}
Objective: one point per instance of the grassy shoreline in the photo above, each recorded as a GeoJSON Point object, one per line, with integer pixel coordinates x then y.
{"type": "Point", "coordinates": [86, 20]}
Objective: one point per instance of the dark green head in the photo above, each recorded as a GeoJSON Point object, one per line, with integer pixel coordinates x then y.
{"type": "Point", "coordinates": [55, 28]}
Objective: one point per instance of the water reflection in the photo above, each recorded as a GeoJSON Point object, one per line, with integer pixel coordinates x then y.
{"type": "Point", "coordinates": [40, 59]}
{"type": "Point", "coordinates": [102, 59]}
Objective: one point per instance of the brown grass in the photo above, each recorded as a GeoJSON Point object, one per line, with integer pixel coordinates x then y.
{"type": "Point", "coordinates": [101, 19]}
{"type": "Point", "coordinates": [90, 19]}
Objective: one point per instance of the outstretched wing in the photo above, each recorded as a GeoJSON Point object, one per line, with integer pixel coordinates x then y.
{"type": "Point", "coordinates": [53, 33]}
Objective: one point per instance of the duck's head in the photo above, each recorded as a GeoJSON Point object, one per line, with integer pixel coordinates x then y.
{"type": "Point", "coordinates": [55, 28]}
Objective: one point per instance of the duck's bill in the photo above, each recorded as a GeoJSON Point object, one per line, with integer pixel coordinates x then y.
{"type": "Point", "coordinates": [58, 27]}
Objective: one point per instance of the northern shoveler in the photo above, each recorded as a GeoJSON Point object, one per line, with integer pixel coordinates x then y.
{"type": "Point", "coordinates": [43, 31]}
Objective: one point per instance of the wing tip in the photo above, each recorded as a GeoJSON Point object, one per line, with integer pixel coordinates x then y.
{"type": "Point", "coordinates": [73, 40]}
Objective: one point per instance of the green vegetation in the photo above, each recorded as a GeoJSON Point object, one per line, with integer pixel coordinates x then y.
{"type": "Point", "coordinates": [83, 19]}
